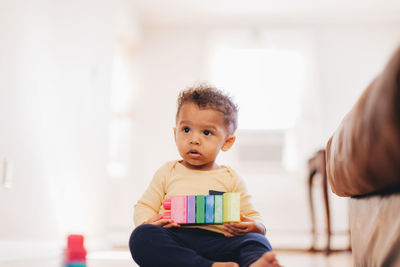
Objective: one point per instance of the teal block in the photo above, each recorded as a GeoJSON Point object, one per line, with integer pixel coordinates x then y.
{"type": "Point", "coordinates": [218, 209]}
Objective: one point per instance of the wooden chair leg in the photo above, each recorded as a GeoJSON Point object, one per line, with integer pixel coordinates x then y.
{"type": "Point", "coordinates": [316, 165]}
{"type": "Point", "coordinates": [327, 217]}
{"type": "Point", "coordinates": [312, 211]}
{"type": "Point", "coordinates": [349, 235]}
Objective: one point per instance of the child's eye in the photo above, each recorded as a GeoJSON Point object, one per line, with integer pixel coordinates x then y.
{"type": "Point", "coordinates": [186, 129]}
{"type": "Point", "coordinates": [206, 132]}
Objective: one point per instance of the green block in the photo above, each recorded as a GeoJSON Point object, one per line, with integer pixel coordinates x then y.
{"type": "Point", "coordinates": [200, 206]}
{"type": "Point", "coordinates": [218, 208]}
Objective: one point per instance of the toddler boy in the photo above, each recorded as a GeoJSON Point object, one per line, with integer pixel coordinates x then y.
{"type": "Point", "coordinates": [206, 121]}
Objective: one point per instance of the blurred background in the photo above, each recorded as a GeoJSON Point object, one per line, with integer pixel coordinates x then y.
{"type": "Point", "coordinates": [88, 96]}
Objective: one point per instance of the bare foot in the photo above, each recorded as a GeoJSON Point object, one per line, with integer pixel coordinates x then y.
{"type": "Point", "coordinates": [266, 260]}
{"type": "Point", "coordinates": [225, 264]}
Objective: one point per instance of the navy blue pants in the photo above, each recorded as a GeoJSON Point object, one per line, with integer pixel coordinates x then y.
{"type": "Point", "coordinates": [152, 245]}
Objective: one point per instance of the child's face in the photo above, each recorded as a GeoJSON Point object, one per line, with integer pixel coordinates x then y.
{"type": "Point", "coordinates": [199, 135]}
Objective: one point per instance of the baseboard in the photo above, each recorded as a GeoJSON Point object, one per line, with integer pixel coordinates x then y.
{"type": "Point", "coordinates": [119, 238]}
{"type": "Point", "coordinates": [12, 250]}
{"type": "Point", "coordinates": [302, 240]}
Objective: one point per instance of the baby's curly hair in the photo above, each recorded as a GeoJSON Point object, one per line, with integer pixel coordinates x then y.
{"type": "Point", "coordinates": [206, 96]}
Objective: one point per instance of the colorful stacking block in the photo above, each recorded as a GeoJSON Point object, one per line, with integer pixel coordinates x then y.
{"type": "Point", "coordinates": [231, 207]}
{"type": "Point", "coordinates": [75, 253]}
{"type": "Point", "coordinates": [200, 209]}
{"type": "Point", "coordinates": [209, 209]}
{"type": "Point", "coordinates": [218, 209]}
{"type": "Point", "coordinates": [191, 209]}
{"type": "Point", "coordinates": [178, 207]}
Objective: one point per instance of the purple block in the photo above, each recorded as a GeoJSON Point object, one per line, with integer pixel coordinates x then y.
{"type": "Point", "coordinates": [191, 209]}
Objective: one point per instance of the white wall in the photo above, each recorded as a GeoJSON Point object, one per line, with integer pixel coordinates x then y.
{"type": "Point", "coordinates": [55, 76]}
{"type": "Point", "coordinates": [167, 60]}
{"type": "Point", "coordinates": [54, 110]}
{"type": "Point", "coordinates": [350, 56]}
{"type": "Point", "coordinates": [172, 57]}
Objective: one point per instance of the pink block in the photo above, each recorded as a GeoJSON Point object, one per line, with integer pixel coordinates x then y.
{"type": "Point", "coordinates": [179, 209]}
{"type": "Point", "coordinates": [167, 206]}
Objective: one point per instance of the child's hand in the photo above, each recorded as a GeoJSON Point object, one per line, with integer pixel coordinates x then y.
{"type": "Point", "coordinates": [158, 220]}
{"type": "Point", "coordinates": [246, 225]}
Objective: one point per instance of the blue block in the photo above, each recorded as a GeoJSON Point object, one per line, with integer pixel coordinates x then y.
{"type": "Point", "coordinates": [210, 209]}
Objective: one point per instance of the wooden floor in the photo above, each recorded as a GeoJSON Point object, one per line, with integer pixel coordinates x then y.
{"type": "Point", "coordinates": [123, 259]}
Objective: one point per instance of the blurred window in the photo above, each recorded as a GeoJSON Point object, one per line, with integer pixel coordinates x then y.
{"type": "Point", "coordinates": [265, 82]}
{"type": "Point", "coordinates": [121, 98]}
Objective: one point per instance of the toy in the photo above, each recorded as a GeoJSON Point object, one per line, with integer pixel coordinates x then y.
{"type": "Point", "coordinates": [191, 209]}
{"type": "Point", "coordinates": [231, 210]}
{"type": "Point", "coordinates": [75, 253]}
{"type": "Point", "coordinates": [203, 209]}
{"type": "Point", "coordinates": [200, 206]}
{"type": "Point", "coordinates": [179, 210]}
{"type": "Point", "coordinates": [210, 209]}
{"type": "Point", "coordinates": [218, 209]}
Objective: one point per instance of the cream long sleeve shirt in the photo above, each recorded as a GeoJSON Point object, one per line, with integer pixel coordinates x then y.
{"type": "Point", "coordinates": [173, 178]}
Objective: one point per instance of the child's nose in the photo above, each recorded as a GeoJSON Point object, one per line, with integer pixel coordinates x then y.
{"type": "Point", "coordinates": [195, 140]}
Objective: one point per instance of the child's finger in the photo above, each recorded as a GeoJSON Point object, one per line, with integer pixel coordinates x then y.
{"type": "Point", "coordinates": [162, 222]}
{"type": "Point", "coordinates": [170, 225]}
{"type": "Point", "coordinates": [228, 235]}
{"type": "Point", "coordinates": [238, 226]}
{"type": "Point", "coordinates": [233, 231]}
{"type": "Point", "coordinates": [228, 230]}
{"type": "Point", "coordinates": [241, 225]}
{"type": "Point", "coordinates": [155, 218]}
{"type": "Point", "coordinates": [245, 219]}
{"type": "Point", "coordinates": [228, 227]}
{"type": "Point", "coordinates": [238, 231]}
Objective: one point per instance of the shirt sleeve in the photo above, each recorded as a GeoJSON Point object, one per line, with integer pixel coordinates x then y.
{"type": "Point", "coordinates": [149, 204]}
{"type": "Point", "coordinates": [246, 206]}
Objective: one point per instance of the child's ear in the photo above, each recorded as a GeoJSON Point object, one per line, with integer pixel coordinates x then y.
{"type": "Point", "coordinates": [175, 134]}
{"type": "Point", "coordinates": [229, 141]}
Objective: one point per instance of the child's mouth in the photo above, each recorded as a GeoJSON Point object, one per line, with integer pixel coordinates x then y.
{"type": "Point", "coordinates": [194, 154]}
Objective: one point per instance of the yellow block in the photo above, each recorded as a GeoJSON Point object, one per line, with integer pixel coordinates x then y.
{"type": "Point", "coordinates": [231, 207]}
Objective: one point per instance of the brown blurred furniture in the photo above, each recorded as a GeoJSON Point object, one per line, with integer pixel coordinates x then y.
{"type": "Point", "coordinates": [316, 167]}
{"type": "Point", "coordinates": [363, 163]}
